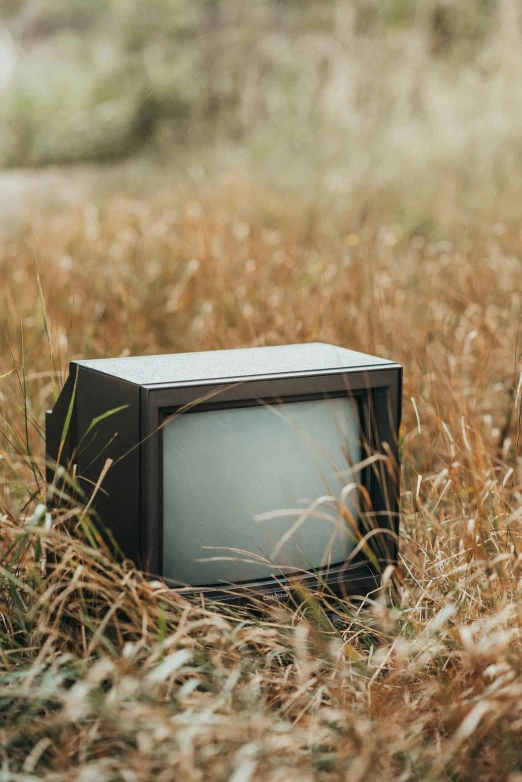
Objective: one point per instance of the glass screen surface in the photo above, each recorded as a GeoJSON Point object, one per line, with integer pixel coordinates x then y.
{"type": "Point", "coordinates": [265, 481]}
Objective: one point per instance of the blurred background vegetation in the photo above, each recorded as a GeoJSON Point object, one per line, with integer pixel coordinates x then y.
{"type": "Point", "coordinates": [411, 106]}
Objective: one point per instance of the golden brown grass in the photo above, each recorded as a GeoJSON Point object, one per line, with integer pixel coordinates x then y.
{"type": "Point", "coordinates": [105, 676]}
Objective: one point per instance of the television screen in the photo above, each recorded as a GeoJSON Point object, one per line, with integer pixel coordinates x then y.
{"type": "Point", "coordinates": [251, 491]}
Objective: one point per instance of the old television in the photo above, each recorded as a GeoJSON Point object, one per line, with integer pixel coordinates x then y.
{"type": "Point", "coordinates": [240, 471]}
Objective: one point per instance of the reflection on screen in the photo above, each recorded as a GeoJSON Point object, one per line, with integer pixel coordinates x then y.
{"type": "Point", "coordinates": [246, 478]}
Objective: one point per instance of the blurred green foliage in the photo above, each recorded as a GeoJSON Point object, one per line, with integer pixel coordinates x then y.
{"type": "Point", "coordinates": [100, 79]}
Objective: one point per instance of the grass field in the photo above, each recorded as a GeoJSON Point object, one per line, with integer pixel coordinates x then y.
{"type": "Point", "coordinates": [105, 676]}
{"type": "Point", "coordinates": [345, 171]}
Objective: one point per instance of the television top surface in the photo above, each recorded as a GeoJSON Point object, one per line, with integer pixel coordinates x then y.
{"type": "Point", "coordinates": [240, 363]}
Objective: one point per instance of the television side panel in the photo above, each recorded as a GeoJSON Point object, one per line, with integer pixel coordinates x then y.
{"type": "Point", "coordinates": [55, 428]}
{"type": "Point", "coordinates": [115, 437]}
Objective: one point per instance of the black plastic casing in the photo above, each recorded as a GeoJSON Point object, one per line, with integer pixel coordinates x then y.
{"type": "Point", "coordinates": [149, 389]}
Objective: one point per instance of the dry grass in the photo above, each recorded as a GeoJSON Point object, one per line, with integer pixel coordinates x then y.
{"type": "Point", "coordinates": [105, 676]}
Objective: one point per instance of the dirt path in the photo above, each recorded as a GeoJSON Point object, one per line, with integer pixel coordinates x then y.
{"type": "Point", "coordinates": [42, 188]}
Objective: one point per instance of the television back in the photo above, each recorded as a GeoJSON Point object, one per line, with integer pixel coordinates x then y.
{"type": "Point", "coordinates": [241, 471]}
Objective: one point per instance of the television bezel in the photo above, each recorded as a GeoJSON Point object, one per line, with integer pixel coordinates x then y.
{"type": "Point", "coordinates": [158, 403]}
